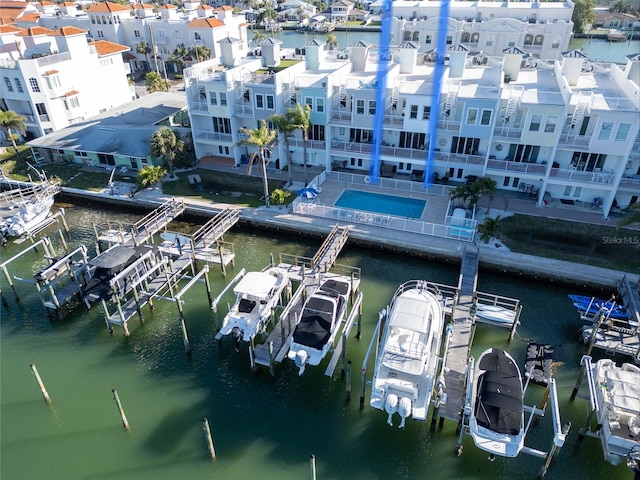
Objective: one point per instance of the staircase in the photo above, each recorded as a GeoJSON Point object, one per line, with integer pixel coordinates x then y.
{"type": "Point", "coordinates": [512, 105]}
{"type": "Point", "coordinates": [579, 112]}
{"type": "Point", "coordinates": [451, 99]}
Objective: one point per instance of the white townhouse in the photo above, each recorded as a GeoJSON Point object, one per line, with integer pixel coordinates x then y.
{"type": "Point", "coordinates": [55, 78]}
{"type": "Point", "coordinates": [543, 29]}
{"type": "Point", "coordinates": [340, 10]}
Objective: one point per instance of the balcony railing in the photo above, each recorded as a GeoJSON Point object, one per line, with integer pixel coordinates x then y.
{"type": "Point", "coordinates": [43, 118]}
{"type": "Point", "coordinates": [630, 184]}
{"type": "Point", "coordinates": [213, 137]}
{"type": "Point", "coordinates": [460, 158]}
{"type": "Point", "coordinates": [341, 117]}
{"type": "Point", "coordinates": [507, 133]}
{"type": "Point", "coordinates": [567, 140]}
{"type": "Point", "coordinates": [520, 167]}
{"type": "Point", "coordinates": [586, 177]}
{"type": "Point", "coordinates": [198, 106]}
{"type": "Point", "coordinates": [312, 144]}
{"type": "Point", "coordinates": [244, 110]}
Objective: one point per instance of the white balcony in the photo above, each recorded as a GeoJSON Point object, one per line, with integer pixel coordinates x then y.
{"type": "Point", "coordinates": [213, 137]}
{"type": "Point", "coordinates": [586, 177]}
{"type": "Point", "coordinates": [504, 166]}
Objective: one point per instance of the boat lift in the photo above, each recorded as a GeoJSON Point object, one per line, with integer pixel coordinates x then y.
{"type": "Point", "coordinates": [559, 431]}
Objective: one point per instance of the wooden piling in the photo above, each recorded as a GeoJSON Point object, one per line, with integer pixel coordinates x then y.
{"type": "Point", "coordinates": [553, 451]}
{"type": "Point", "coordinates": [516, 322]}
{"type": "Point", "coordinates": [348, 382]}
{"type": "Point", "coordinates": [576, 387]}
{"type": "Point", "coordinates": [271, 366]}
{"type": "Point", "coordinates": [64, 241]}
{"type": "Point", "coordinates": [207, 436]}
{"type": "Point", "coordinates": [312, 460]}
{"type": "Point", "coordinates": [185, 336]}
{"type": "Point", "coordinates": [43, 390]}
{"type": "Point", "coordinates": [125, 422]}
{"type": "Point", "coordinates": [359, 330]}
{"type": "Point", "coordinates": [222, 265]}
{"type": "Point", "coordinates": [594, 331]}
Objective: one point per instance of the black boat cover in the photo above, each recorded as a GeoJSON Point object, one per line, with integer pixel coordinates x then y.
{"type": "Point", "coordinates": [314, 328]}
{"type": "Point", "coordinates": [499, 399]}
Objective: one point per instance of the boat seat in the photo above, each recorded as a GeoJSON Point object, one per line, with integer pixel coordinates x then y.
{"type": "Point", "coordinates": [246, 305]}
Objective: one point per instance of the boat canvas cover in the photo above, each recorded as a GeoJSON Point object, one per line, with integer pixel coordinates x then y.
{"type": "Point", "coordinates": [114, 259]}
{"type": "Point", "coordinates": [256, 284]}
{"type": "Point", "coordinates": [624, 389]}
{"type": "Point", "coordinates": [314, 328]}
{"type": "Point", "coordinates": [499, 400]}
{"type": "Point", "coordinates": [409, 324]}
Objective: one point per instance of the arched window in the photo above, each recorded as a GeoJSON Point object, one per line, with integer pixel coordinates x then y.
{"type": "Point", "coordinates": [538, 40]}
{"type": "Point", "coordinates": [35, 88]}
{"type": "Point", "coordinates": [466, 36]}
{"type": "Point", "coordinates": [18, 84]}
{"type": "Point", "coordinates": [104, 19]}
{"type": "Point", "coordinates": [528, 39]}
{"type": "Point", "coordinates": [416, 36]}
{"type": "Point", "coordinates": [93, 19]}
{"type": "Point", "coordinates": [475, 37]}
{"type": "Point", "coordinates": [8, 84]}
{"type": "Point", "coordinates": [98, 20]}
{"type": "Point", "coordinates": [109, 19]}
{"type": "Point", "coordinates": [407, 36]}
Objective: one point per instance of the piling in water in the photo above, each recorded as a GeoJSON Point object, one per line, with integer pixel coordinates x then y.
{"type": "Point", "coordinates": [43, 390]}
{"type": "Point", "coordinates": [312, 460]}
{"type": "Point", "coordinates": [123, 417]}
{"type": "Point", "coordinates": [207, 435]}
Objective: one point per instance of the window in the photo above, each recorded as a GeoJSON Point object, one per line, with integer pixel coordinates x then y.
{"type": "Point", "coordinates": [414, 111]}
{"type": "Point", "coordinates": [511, 42]}
{"type": "Point", "coordinates": [136, 33]}
{"type": "Point", "coordinates": [223, 99]}
{"type": "Point", "coordinates": [320, 104]}
{"type": "Point", "coordinates": [41, 109]}
{"type": "Point", "coordinates": [18, 84]}
{"type": "Point", "coordinates": [486, 117]}
{"type": "Point", "coordinates": [70, 103]}
{"type": "Point", "coordinates": [449, 39]}
{"type": "Point", "coordinates": [270, 102]}
{"type": "Point", "coordinates": [52, 81]}
{"type": "Point", "coordinates": [472, 116]}
{"type": "Point", "coordinates": [309, 101]}
{"type": "Point", "coordinates": [8, 84]}
{"type": "Point", "coordinates": [605, 131]}
{"type": "Point", "coordinates": [506, 181]}
{"type": "Point", "coordinates": [316, 132]}
{"type": "Point", "coordinates": [427, 39]}
{"type": "Point", "coordinates": [556, 43]}
{"type": "Point", "coordinates": [550, 126]}
{"type": "Point", "coordinates": [538, 39]}
{"type": "Point", "coordinates": [259, 100]}
{"type": "Point", "coordinates": [197, 36]}
{"type": "Point", "coordinates": [162, 33]}
{"type": "Point", "coordinates": [489, 41]}
{"type": "Point", "coordinates": [221, 125]}
{"type": "Point", "coordinates": [99, 34]}
{"type": "Point", "coordinates": [177, 34]}
{"type": "Point", "coordinates": [341, 131]}
{"type": "Point", "coordinates": [360, 107]}
{"type": "Point", "coordinates": [528, 39]}
{"type": "Point", "coordinates": [35, 88]}
{"type": "Point", "coordinates": [213, 99]}
{"type": "Point", "coordinates": [623, 132]}
{"type": "Point", "coordinates": [372, 107]}
{"type": "Point", "coordinates": [426, 113]}
{"type": "Point", "coordinates": [536, 120]}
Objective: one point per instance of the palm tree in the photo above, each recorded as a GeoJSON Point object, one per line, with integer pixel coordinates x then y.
{"type": "Point", "coordinates": [301, 118]}
{"type": "Point", "coordinates": [178, 56]}
{"type": "Point", "coordinates": [489, 229]}
{"type": "Point", "coordinates": [143, 48]}
{"type": "Point", "coordinates": [258, 37]}
{"type": "Point", "coordinates": [166, 143]}
{"type": "Point", "coordinates": [487, 186]}
{"type": "Point", "coordinates": [11, 120]}
{"type": "Point", "coordinates": [285, 128]}
{"type": "Point", "coordinates": [150, 176]}
{"type": "Point", "coordinates": [632, 215]}
{"type": "Point", "coordinates": [261, 138]}
{"type": "Point", "coordinates": [200, 53]}
{"type": "Point", "coordinates": [155, 83]}
{"type": "Point", "coordinates": [332, 42]}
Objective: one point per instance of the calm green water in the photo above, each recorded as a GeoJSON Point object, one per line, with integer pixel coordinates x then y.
{"type": "Point", "coordinates": [263, 427]}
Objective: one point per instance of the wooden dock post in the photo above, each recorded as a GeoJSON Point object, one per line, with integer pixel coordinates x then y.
{"type": "Point", "coordinates": [207, 436]}
{"type": "Point", "coordinates": [185, 336]}
{"type": "Point", "coordinates": [348, 383]}
{"type": "Point", "coordinates": [64, 242]}
{"type": "Point", "coordinates": [125, 422]}
{"type": "Point", "coordinates": [252, 357]}
{"type": "Point", "coordinates": [553, 451]}
{"type": "Point", "coordinates": [222, 265]}
{"type": "Point", "coordinates": [207, 285]}
{"type": "Point", "coordinates": [359, 330]}
{"type": "Point", "coordinates": [43, 390]}
{"type": "Point", "coordinates": [271, 366]}
{"type": "Point", "coordinates": [594, 331]}
{"type": "Point", "coordinates": [343, 354]}
{"type": "Point", "coordinates": [312, 460]}
{"type": "Point", "coordinates": [583, 373]}
{"type": "Point", "coordinates": [516, 322]}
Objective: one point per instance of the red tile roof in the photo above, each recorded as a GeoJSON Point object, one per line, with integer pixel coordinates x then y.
{"type": "Point", "coordinates": [107, 7]}
{"type": "Point", "coordinates": [71, 93]}
{"type": "Point", "coordinates": [36, 32]}
{"type": "Point", "coordinates": [69, 31]}
{"type": "Point", "coordinates": [10, 29]}
{"type": "Point", "coordinates": [104, 47]}
{"type": "Point", "coordinates": [51, 72]}
{"type": "Point", "coordinates": [29, 17]}
{"type": "Point", "coordinates": [205, 23]}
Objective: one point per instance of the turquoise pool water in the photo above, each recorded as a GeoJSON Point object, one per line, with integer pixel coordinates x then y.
{"type": "Point", "coordinates": [379, 203]}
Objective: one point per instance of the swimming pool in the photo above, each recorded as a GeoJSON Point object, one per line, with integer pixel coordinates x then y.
{"type": "Point", "coordinates": [379, 203]}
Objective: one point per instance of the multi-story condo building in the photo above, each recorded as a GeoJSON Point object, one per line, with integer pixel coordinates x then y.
{"type": "Point", "coordinates": [566, 129]}
{"type": "Point", "coordinates": [55, 78]}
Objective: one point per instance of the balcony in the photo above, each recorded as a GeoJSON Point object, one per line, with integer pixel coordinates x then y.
{"type": "Point", "coordinates": [504, 166]}
{"type": "Point", "coordinates": [586, 177]}
{"type": "Point", "coordinates": [460, 158]}
{"type": "Point", "coordinates": [630, 184]}
{"type": "Point", "coordinates": [213, 137]}
{"type": "Point", "coordinates": [446, 124]}
{"type": "Point", "coordinates": [243, 110]}
{"type": "Point", "coordinates": [43, 118]}
{"type": "Point", "coordinates": [567, 140]}
{"type": "Point", "coordinates": [507, 133]}
{"type": "Point", "coordinates": [341, 117]}
{"type": "Point", "coordinates": [198, 107]}
{"type": "Point", "coordinates": [311, 144]}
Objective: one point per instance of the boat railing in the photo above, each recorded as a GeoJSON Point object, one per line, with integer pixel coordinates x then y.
{"type": "Point", "coordinates": [375, 341]}
{"type": "Point", "coordinates": [419, 285]}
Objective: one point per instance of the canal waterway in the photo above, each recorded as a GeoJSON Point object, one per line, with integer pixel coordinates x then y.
{"type": "Point", "coordinates": [262, 427]}
{"type": "Point", "coordinates": [596, 49]}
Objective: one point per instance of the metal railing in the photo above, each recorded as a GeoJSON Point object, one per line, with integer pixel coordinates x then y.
{"type": "Point", "coordinates": [587, 177]}
{"type": "Point", "coordinates": [520, 167]}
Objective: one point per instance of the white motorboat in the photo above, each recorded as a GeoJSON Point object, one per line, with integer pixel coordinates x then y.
{"type": "Point", "coordinates": [322, 313]}
{"type": "Point", "coordinates": [495, 314]}
{"type": "Point", "coordinates": [497, 415]}
{"type": "Point", "coordinates": [407, 364]}
{"type": "Point", "coordinates": [257, 296]}
{"type": "Point", "coordinates": [29, 215]}
{"type": "Point", "coordinates": [617, 391]}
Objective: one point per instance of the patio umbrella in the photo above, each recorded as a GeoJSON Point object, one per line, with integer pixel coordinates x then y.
{"type": "Point", "coordinates": [307, 192]}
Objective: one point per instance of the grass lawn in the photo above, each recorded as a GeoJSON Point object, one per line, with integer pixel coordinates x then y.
{"type": "Point", "coordinates": [598, 245]}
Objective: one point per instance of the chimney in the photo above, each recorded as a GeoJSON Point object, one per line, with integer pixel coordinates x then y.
{"type": "Point", "coordinates": [358, 55]}
{"type": "Point", "coordinates": [457, 61]}
{"type": "Point", "coordinates": [230, 51]}
{"type": "Point", "coordinates": [572, 62]}
{"type": "Point", "coordinates": [313, 54]}
{"type": "Point", "coordinates": [408, 53]}
{"type": "Point", "coordinates": [270, 52]}
{"type": "Point", "coordinates": [511, 62]}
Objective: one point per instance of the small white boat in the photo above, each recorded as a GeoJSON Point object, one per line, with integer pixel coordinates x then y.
{"type": "Point", "coordinates": [407, 364]}
{"type": "Point", "coordinates": [497, 415]}
{"type": "Point", "coordinates": [495, 314]}
{"type": "Point", "coordinates": [617, 390]}
{"type": "Point", "coordinates": [322, 313]}
{"type": "Point", "coordinates": [257, 296]}
{"type": "Point", "coordinates": [30, 214]}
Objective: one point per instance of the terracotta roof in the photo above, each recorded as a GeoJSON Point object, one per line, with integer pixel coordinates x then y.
{"type": "Point", "coordinates": [45, 4]}
{"type": "Point", "coordinates": [107, 7]}
{"type": "Point", "coordinates": [144, 6]}
{"type": "Point", "coordinates": [167, 7]}
{"type": "Point", "coordinates": [108, 48]}
{"type": "Point", "coordinates": [205, 23]}
{"type": "Point", "coordinates": [68, 4]}
{"type": "Point", "coordinates": [204, 7]}
{"type": "Point", "coordinates": [69, 31]}
{"type": "Point", "coordinates": [51, 72]}
{"type": "Point", "coordinates": [36, 32]}
{"type": "Point", "coordinates": [71, 93]}
{"type": "Point", "coordinates": [225, 7]}
{"type": "Point", "coordinates": [128, 56]}
{"type": "Point", "coordinates": [29, 17]}
{"type": "Point", "coordinates": [10, 29]}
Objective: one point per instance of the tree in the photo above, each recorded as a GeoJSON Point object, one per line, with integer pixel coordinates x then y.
{"type": "Point", "coordinates": [487, 186]}
{"type": "Point", "coordinates": [155, 83]}
{"type": "Point", "coordinates": [150, 176]}
{"type": "Point", "coordinates": [279, 196]}
{"type": "Point", "coordinates": [489, 229]}
{"type": "Point", "coordinates": [632, 215]}
{"type": "Point", "coordinates": [10, 120]}
{"type": "Point", "coordinates": [143, 48]}
{"type": "Point", "coordinates": [258, 37]}
{"type": "Point", "coordinates": [583, 15]}
{"type": "Point", "coordinates": [621, 6]}
{"type": "Point", "coordinates": [301, 118]}
{"type": "Point", "coordinates": [332, 42]}
{"type": "Point", "coordinates": [200, 53]}
{"type": "Point", "coordinates": [166, 143]}
{"type": "Point", "coordinates": [285, 128]}
{"type": "Point", "coordinates": [179, 56]}
{"type": "Point", "coordinates": [260, 138]}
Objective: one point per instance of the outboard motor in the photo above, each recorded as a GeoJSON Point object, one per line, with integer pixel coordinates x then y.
{"type": "Point", "coordinates": [404, 409]}
{"type": "Point", "coordinates": [301, 360]}
{"type": "Point", "coordinates": [391, 407]}
{"type": "Point", "coordinates": [238, 335]}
